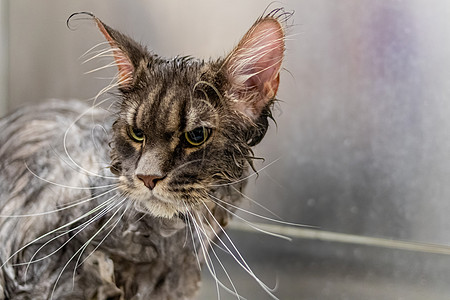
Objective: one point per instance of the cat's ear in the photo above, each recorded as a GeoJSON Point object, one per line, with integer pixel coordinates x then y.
{"type": "Point", "coordinates": [253, 67]}
{"type": "Point", "coordinates": [129, 56]}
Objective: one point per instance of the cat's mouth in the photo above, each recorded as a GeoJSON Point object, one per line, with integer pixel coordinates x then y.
{"type": "Point", "coordinates": [157, 206]}
{"type": "Point", "coordinates": [157, 201]}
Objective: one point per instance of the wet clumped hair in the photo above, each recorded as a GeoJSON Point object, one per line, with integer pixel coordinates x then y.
{"type": "Point", "coordinates": [125, 203]}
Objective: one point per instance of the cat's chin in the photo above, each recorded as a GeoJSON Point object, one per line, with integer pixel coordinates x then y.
{"type": "Point", "coordinates": [147, 202]}
{"type": "Point", "coordinates": [157, 208]}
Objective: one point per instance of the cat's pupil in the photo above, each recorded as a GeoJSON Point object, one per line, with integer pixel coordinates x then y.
{"type": "Point", "coordinates": [136, 134]}
{"type": "Point", "coordinates": [197, 136]}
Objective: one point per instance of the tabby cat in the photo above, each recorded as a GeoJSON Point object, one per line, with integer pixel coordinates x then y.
{"type": "Point", "coordinates": [124, 202]}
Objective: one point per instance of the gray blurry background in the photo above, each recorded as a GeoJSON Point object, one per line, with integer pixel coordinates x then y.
{"type": "Point", "coordinates": [362, 141]}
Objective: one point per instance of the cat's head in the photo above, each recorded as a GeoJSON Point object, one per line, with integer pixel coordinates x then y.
{"type": "Point", "coordinates": [186, 126]}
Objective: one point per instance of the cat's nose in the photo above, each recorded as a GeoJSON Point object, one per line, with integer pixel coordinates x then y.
{"type": "Point", "coordinates": [150, 180]}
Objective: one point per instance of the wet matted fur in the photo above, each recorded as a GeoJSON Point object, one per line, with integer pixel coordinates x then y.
{"type": "Point", "coordinates": [124, 203]}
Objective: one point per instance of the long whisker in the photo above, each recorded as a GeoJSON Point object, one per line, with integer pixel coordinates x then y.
{"type": "Point", "coordinates": [256, 202]}
{"type": "Point", "coordinates": [208, 261]}
{"type": "Point", "coordinates": [54, 230]}
{"type": "Point", "coordinates": [100, 147]}
{"type": "Point", "coordinates": [65, 141]}
{"type": "Point", "coordinates": [187, 163]}
{"type": "Point", "coordinates": [252, 225]}
{"type": "Point", "coordinates": [109, 232]}
{"type": "Point", "coordinates": [246, 177]}
{"type": "Point", "coordinates": [237, 256]}
{"type": "Point", "coordinates": [82, 249]}
{"type": "Point", "coordinates": [192, 236]}
{"type": "Point", "coordinates": [113, 84]}
{"type": "Point", "coordinates": [74, 168]}
{"type": "Point", "coordinates": [68, 186]}
{"type": "Point", "coordinates": [83, 225]}
{"type": "Point", "coordinates": [234, 292]}
{"type": "Point", "coordinates": [77, 264]}
{"type": "Point", "coordinates": [258, 215]}
{"type": "Point", "coordinates": [210, 268]}
{"type": "Point", "coordinates": [74, 203]}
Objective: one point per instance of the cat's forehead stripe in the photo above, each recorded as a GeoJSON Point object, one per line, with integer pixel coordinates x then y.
{"type": "Point", "coordinates": [143, 113]}
{"type": "Point", "coordinates": [161, 111]}
{"type": "Point", "coordinates": [170, 111]}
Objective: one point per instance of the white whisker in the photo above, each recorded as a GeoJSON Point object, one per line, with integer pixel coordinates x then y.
{"type": "Point", "coordinates": [187, 163]}
{"type": "Point", "coordinates": [82, 249]}
{"type": "Point", "coordinates": [77, 169]}
{"type": "Point", "coordinates": [246, 177]}
{"type": "Point", "coordinates": [188, 224]}
{"type": "Point", "coordinates": [77, 264]}
{"type": "Point", "coordinates": [96, 146]}
{"type": "Point", "coordinates": [113, 84]}
{"type": "Point", "coordinates": [68, 186]}
{"type": "Point", "coordinates": [240, 259]}
{"type": "Point", "coordinates": [256, 202]}
{"type": "Point", "coordinates": [211, 268]}
{"type": "Point", "coordinates": [73, 204]}
{"type": "Point", "coordinates": [234, 292]}
{"type": "Point", "coordinates": [193, 238]}
{"type": "Point", "coordinates": [83, 225]}
{"type": "Point", "coordinates": [257, 215]}
{"type": "Point", "coordinates": [55, 230]}
{"type": "Point", "coordinates": [67, 150]}
{"type": "Point", "coordinates": [208, 261]}
{"type": "Point", "coordinates": [253, 226]}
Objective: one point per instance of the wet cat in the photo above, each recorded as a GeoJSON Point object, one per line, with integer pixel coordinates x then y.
{"type": "Point", "coordinates": [124, 203]}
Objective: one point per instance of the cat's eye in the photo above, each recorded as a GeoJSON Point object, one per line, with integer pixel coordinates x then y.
{"type": "Point", "coordinates": [197, 136]}
{"type": "Point", "coordinates": [136, 134]}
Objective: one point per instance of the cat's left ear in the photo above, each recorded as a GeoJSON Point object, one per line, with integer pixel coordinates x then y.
{"type": "Point", "coordinates": [253, 67]}
{"type": "Point", "coordinates": [129, 56]}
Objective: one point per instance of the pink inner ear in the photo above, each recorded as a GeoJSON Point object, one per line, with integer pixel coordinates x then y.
{"type": "Point", "coordinates": [125, 67]}
{"type": "Point", "coordinates": [123, 63]}
{"type": "Point", "coordinates": [255, 64]}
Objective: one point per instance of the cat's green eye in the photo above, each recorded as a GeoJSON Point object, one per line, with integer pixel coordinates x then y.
{"type": "Point", "coordinates": [197, 136]}
{"type": "Point", "coordinates": [136, 134]}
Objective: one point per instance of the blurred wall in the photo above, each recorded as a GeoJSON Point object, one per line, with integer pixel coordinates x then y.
{"type": "Point", "coordinates": [362, 137]}
{"type": "Point", "coordinates": [4, 47]}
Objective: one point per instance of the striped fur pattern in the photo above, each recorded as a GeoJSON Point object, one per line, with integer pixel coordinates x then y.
{"type": "Point", "coordinates": [124, 203]}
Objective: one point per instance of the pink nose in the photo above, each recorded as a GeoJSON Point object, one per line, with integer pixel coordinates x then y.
{"type": "Point", "coordinates": [149, 180]}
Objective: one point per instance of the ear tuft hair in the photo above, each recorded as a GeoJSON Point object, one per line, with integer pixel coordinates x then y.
{"type": "Point", "coordinates": [128, 54]}
{"type": "Point", "coordinates": [253, 67]}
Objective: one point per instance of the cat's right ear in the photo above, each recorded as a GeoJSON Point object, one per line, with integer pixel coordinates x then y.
{"type": "Point", "coordinates": [129, 56]}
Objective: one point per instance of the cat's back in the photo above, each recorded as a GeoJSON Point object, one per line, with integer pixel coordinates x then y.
{"type": "Point", "coordinates": [42, 143]}
{"type": "Point", "coordinates": [36, 128]}
{"type": "Point", "coordinates": [51, 145]}
{"type": "Point", "coordinates": [51, 154]}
